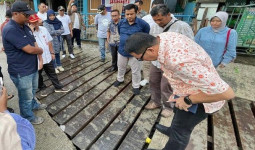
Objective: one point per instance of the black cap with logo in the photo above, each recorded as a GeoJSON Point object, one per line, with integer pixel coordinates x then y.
{"type": "Point", "coordinates": [21, 6]}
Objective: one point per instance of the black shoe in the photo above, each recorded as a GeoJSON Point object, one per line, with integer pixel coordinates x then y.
{"type": "Point", "coordinates": [136, 91]}
{"type": "Point", "coordinates": [117, 83]}
{"type": "Point", "coordinates": [80, 48]}
{"type": "Point", "coordinates": [112, 69]}
{"type": "Point", "coordinates": [10, 110]}
{"type": "Point", "coordinates": [162, 129]}
{"type": "Point", "coordinates": [102, 60]}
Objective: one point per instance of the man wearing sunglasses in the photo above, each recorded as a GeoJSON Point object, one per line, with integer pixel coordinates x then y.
{"type": "Point", "coordinates": [21, 51]}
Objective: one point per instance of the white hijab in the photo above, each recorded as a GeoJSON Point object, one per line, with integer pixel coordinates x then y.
{"type": "Point", "coordinates": [223, 16]}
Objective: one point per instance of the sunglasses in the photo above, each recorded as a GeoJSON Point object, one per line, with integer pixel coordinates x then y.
{"type": "Point", "coordinates": [26, 15]}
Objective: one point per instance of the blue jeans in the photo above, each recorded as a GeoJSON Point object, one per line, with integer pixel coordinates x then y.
{"type": "Point", "coordinates": [27, 87]}
{"type": "Point", "coordinates": [57, 62]}
{"type": "Point", "coordinates": [101, 42]}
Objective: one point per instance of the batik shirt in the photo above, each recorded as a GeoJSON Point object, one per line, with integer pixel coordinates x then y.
{"type": "Point", "coordinates": [189, 68]}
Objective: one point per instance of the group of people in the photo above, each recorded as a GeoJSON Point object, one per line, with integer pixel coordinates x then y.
{"type": "Point", "coordinates": [179, 67]}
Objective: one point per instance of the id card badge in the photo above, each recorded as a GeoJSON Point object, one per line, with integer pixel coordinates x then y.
{"type": "Point", "coordinates": [192, 109]}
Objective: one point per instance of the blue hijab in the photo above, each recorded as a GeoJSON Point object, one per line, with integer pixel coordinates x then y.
{"type": "Point", "coordinates": [56, 23]}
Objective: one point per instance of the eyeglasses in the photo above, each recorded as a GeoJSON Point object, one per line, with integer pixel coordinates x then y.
{"type": "Point", "coordinates": [26, 15]}
{"type": "Point", "coordinates": [141, 58]}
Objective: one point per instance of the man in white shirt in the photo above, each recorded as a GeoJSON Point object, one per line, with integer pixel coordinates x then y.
{"type": "Point", "coordinates": [67, 35]}
{"type": "Point", "coordinates": [42, 13]}
{"type": "Point", "coordinates": [43, 39]}
{"type": "Point", "coordinates": [77, 22]}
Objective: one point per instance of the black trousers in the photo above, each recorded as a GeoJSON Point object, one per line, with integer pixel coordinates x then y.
{"type": "Point", "coordinates": [182, 125]}
{"type": "Point", "coordinates": [50, 71]}
{"type": "Point", "coordinates": [68, 40]}
{"type": "Point", "coordinates": [77, 36]}
{"type": "Point", "coordinates": [114, 52]}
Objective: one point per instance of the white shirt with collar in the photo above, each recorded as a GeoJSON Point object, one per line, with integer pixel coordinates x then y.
{"type": "Point", "coordinates": [43, 37]}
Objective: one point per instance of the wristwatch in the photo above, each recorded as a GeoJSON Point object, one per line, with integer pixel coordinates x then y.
{"type": "Point", "coordinates": [187, 100]}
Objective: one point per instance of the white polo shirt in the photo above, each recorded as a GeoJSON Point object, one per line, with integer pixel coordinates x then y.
{"type": "Point", "coordinates": [65, 22]}
{"type": "Point", "coordinates": [43, 37]}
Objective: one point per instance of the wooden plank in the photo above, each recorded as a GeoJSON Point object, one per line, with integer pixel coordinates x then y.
{"type": "Point", "coordinates": [95, 128]}
{"type": "Point", "coordinates": [245, 123]}
{"type": "Point", "coordinates": [73, 75]}
{"type": "Point", "coordinates": [66, 60]}
{"type": "Point", "coordinates": [76, 83]}
{"type": "Point", "coordinates": [87, 114]}
{"type": "Point", "coordinates": [69, 67]}
{"type": "Point", "coordinates": [198, 138]}
{"type": "Point", "coordinates": [140, 131]}
{"type": "Point", "coordinates": [100, 96]}
{"type": "Point", "coordinates": [66, 64]}
{"type": "Point", "coordinates": [112, 137]}
{"type": "Point", "coordinates": [223, 130]}
{"type": "Point", "coordinates": [83, 91]}
{"type": "Point", "coordinates": [159, 140]}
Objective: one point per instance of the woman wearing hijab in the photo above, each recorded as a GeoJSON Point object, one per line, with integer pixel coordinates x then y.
{"type": "Point", "coordinates": [213, 40]}
{"type": "Point", "coordinates": [55, 28]}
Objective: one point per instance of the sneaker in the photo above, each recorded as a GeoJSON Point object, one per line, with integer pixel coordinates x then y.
{"type": "Point", "coordinates": [152, 105]}
{"type": "Point", "coordinates": [144, 82]}
{"type": "Point", "coordinates": [41, 107]}
{"type": "Point", "coordinates": [102, 60]}
{"type": "Point", "coordinates": [136, 91]}
{"type": "Point", "coordinates": [63, 56]}
{"type": "Point", "coordinates": [63, 90]}
{"type": "Point", "coordinates": [56, 70]}
{"type": "Point", "coordinates": [61, 68]}
{"type": "Point", "coordinates": [166, 112]}
{"type": "Point", "coordinates": [71, 56]}
{"type": "Point", "coordinates": [117, 83]}
{"type": "Point", "coordinates": [37, 120]}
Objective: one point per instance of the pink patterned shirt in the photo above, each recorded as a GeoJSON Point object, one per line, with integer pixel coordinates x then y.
{"type": "Point", "coordinates": [189, 69]}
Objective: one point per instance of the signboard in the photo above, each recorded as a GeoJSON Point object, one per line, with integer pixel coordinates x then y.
{"type": "Point", "coordinates": [109, 3]}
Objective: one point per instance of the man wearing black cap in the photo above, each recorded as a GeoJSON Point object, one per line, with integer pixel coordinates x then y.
{"type": "Point", "coordinates": [21, 51]}
{"type": "Point", "coordinates": [102, 20]}
{"type": "Point", "coordinates": [68, 33]}
{"type": "Point", "coordinates": [77, 22]}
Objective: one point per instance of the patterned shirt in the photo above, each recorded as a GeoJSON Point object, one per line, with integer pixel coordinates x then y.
{"type": "Point", "coordinates": [114, 34]}
{"type": "Point", "coordinates": [189, 68]}
{"type": "Point", "coordinates": [176, 26]}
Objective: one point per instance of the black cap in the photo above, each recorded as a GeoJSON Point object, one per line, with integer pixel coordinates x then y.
{"type": "Point", "coordinates": [21, 6]}
{"type": "Point", "coordinates": [100, 8]}
{"type": "Point", "coordinates": [61, 8]}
